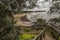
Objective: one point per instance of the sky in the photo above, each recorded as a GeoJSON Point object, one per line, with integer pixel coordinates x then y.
{"type": "Point", "coordinates": [40, 5]}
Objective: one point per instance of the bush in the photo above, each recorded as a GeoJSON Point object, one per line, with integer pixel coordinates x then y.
{"type": "Point", "coordinates": [27, 29]}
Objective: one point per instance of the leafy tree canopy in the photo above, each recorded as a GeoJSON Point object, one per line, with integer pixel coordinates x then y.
{"type": "Point", "coordinates": [8, 31]}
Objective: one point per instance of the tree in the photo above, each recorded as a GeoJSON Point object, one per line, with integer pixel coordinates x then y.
{"type": "Point", "coordinates": [55, 20]}
{"type": "Point", "coordinates": [55, 8]}
{"type": "Point", "coordinates": [8, 31]}
{"type": "Point", "coordinates": [31, 4]}
{"type": "Point", "coordinates": [41, 22]}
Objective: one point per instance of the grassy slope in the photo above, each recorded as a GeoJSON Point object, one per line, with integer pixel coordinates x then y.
{"type": "Point", "coordinates": [26, 36]}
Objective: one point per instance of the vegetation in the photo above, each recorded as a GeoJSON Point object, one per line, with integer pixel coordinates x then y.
{"type": "Point", "coordinates": [55, 8]}
{"type": "Point", "coordinates": [27, 29]}
{"type": "Point", "coordinates": [8, 31]}
{"type": "Point", "coordinates": [26, 36]}
{"type": "Point", "coordinates": [41, 23]}
{"type": "Point", "coordinates": [52, 30]}
{"type": "Point", "coordinates": [55, 19]}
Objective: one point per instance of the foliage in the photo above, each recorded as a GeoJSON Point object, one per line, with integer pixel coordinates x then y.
{"type": "Point", "coordinates": [32, 4]}
{"type": "Point", "coordinates": [41, 21]}
{"type": "Point", "coordinates": [53, 32]}
{"type": "Point", "coordinates": [8, 31]}
{"type": "Point", "coordinates": [55, 20]}
{"type": "Point", "coordinates": [26, 36]}
{"type": "Point", "coordinates": [55, 7]}
{"type": "Point", "coordinates": [27, 29]}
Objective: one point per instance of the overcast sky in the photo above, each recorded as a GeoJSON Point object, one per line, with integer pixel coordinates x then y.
{"type": "Point", "coordinates": [41, 4]}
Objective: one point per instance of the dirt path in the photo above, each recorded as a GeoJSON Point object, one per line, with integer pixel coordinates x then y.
{"type": "Point", "coordinates": [48, 37]}
{"type": "Point", "coordinates": [19, 22]}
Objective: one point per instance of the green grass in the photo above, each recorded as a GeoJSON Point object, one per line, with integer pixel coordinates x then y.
{"type": "Point", "coordinates": [26, 37]}
{"type": "Point", "coordinates": [59, 38]}
{"type": "Point", "coordinates": [27, 29]}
